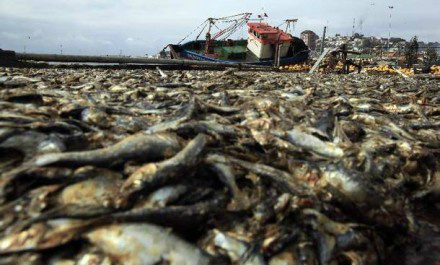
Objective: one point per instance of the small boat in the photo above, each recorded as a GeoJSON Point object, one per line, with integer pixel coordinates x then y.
{"type": "Point", "coordinates": [265, 44]}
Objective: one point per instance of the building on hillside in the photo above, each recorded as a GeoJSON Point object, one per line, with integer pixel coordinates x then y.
{"type": "Point", "coordinates": [310, 38]}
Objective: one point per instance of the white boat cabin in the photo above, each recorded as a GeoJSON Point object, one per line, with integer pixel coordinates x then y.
{"type": "Point", "coordinates": [263, 39]}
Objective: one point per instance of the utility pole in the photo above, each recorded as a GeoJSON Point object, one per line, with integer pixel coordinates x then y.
{"type": "Point", "coordinates": [323, 40]}
{"type": "Point", "coordinates": [61, 49]}
{"type": "Point", "coordinates": [26, 43]}
{"type": "Point", "coordinates": [354, 23]}
{"type": "Point", "coordinates": [328, 28]}
{"type": "Point", "coordinates": [389, 27]}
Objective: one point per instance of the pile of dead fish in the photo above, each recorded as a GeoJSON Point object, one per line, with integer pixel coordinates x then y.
{"type": "Point", "coordinates": [149, 167]}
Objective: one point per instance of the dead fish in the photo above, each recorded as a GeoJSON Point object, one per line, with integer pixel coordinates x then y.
{"type": "Point", "coordinates": [29, 143]}
{"type": "Point", "coordinates": [85, 199]}
{"type": "Point", "coordinates": [95, 116]}
{"type": "Point", "coordinates": [307, 254]}
{"type": "Point", "coordinates": [130, 124]}
{"type": "Point", "coordinates": [314, 144]}
{"type": "Point", "coordinates": [140, 147]}
{"type": "Point", "coordinates": [386, 124]}
{"type": "Point", "coordinates": [265, 211]}
{"type": "Point", "coordinates": [22, 258]}
{"type": "Point", "coordinates": [88, 256]}
{"type": "Point", "coordinates": [173, 85]}
{"type": "Point", "coordinates": [351, 183]}
{"type": "Point", "coordinates": [300, 253]}
{"type": "Point", "coordinates": [333, 237]}
{"type": "Point", "coordinates": [227, 177]}
{"type": "Point", "coordinates": [219, 109]}
{"type": "Point", "coordinates": [424, 126]}
{"type": "Point", "coordinates": [178, 216]}
{"type": "Point", "coordinates": [238, 251]}
{"type": "Point", "coordinates": [5, 133]}
{"type": "Point", "coordinates": [286, 257]}
{"type": "Point", "coordinates": [325, 124]}
{"type": "Point", "coordinates": [332, 227]}
{"type": "Point", "coordinates": [223, 98]}
{"type": "Point", "coordinates": [187, 113]}
{"type": "Point", "coordinates": [10, 118]}
{"type": "Point", "coordinates": [98, 190]}
{"type": "Point", "coordinates": [43, 236]}
{"type": "Point", "coordinates": [432, 191]}
{"type": "Point", "coordinates": [358, 258]}
{"type": "Point", "coordinates": [279, 238]}
{"type": "Point", "coordinates": [400, 131]}
{"type": "Point", "coordinates": [162, 197]}
{"type": "Point", "coordinates": [17, 81]}
{"type": "Point", "coordinates": [207, 127]}
{"type": "Point", "coordinates": [13, 186]}
{"type": "Point", "coordinates": [362, 159]}
{"type": "Point", "coordinates": [283, 180]}
{"type": "Point", "coordinates": [368, 107]}
{"type": "Point", "coordinates": [27, 98]}
{"type": "Point", "coordinates": [157, 174]}
{"type": "Point", "coordinates": [352, 130]}
{"type": "Point", "coordinates": [144, 244]}
{"type": "Point", "coordinates": [26, 207]}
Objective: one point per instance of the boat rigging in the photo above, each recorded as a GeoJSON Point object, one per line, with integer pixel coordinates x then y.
{"type": "Point", "coordinates": [235, 23]}
{"type": "Point", "coordinates": [290, 25]}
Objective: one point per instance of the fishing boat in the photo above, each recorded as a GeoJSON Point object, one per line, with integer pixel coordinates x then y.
{"type": "Point", "coordinates": [265, 44]}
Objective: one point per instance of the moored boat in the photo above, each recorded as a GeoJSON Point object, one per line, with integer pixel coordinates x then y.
{"type": "Point", "coordinates": [265, 45]}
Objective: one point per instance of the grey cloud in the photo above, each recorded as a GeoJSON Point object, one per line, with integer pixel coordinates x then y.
{"type": "Point", "coordinates": [137, 26]}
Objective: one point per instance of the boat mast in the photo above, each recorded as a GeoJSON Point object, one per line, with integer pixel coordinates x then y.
{"type": "Point", "coordinates": [208, 36]}
{"type": "Point", "coordinates": [235, 22]}
{"type": "Point", "coordinates": [290, 24]}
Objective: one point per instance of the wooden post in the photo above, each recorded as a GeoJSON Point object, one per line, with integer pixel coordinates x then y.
{"type": "Point", "coordinates": [277, 55]}
{"type": "Point", "coordinates": [318, 62]}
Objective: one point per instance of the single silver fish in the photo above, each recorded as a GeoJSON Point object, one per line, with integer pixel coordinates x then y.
{"type": "Point", "coordinates": [145, 244]}
{"type": "Point", "coordinates": [140, 146]}
{"type": "Point", "coordinates": [314, 144]}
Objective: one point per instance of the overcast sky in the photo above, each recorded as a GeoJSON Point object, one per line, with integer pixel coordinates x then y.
{"type": "Point", "coordinates": [138, 27]}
